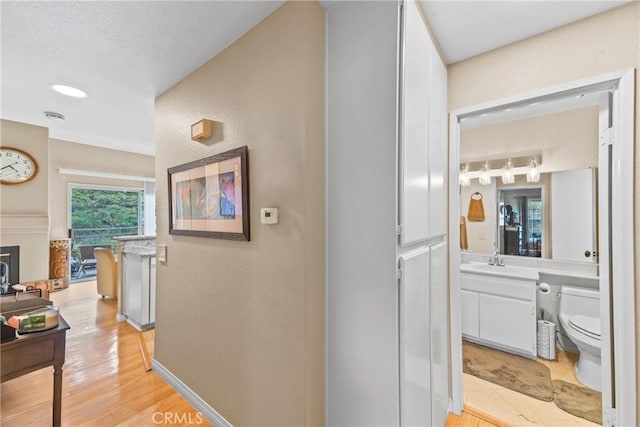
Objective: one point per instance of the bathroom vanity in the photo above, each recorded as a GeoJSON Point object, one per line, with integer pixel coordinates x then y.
{"type": "Point", "coordinates": [499, 307]}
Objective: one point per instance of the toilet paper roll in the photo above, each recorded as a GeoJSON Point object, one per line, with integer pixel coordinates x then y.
{"type": "Point", "coordinates": [544, 288]}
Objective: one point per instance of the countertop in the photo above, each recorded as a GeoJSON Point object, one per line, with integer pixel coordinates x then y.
{"type": "Point", "coordinates": [128, 238]}
{"type": "Point", "coordinates": [142, 251]}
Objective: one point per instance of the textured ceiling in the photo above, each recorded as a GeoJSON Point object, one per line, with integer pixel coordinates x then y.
{"type": "Point", "coordinates": [123, 54]}
{"type": "Point", "coordinates": [126, 53]}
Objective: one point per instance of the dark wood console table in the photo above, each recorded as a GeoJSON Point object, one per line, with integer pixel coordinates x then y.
{"type": "Point", "coordinates": [37, 350]}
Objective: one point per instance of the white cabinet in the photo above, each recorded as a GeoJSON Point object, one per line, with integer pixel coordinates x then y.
{"type": "Point", "coordinates": [386, 337]}
{"type": "Point", "coordinates": [469, 306]}
{"type": "Point", "coordinates": [507, 322]}
{"type": "Point", "coordinates": [415, 342]}
{"type": "Point", "coordinates": [438, 133]}
{"type": "Point", "coordinates": [499, 312]}
{"type": "Point", "coordinates": [414, 133]}
{"type": "Point", "coordinates": [439, 312]}
{"type": "Point", "coordinates": [139, 289]}
{"type": "Point", "coordinates": [423, 135]}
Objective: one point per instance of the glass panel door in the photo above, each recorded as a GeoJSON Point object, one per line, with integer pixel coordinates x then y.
{"type": "Point", "coordinates": [96, 215]}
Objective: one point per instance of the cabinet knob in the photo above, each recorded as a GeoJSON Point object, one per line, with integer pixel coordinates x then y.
{"type": "Point", "coordinates": [587, 254]}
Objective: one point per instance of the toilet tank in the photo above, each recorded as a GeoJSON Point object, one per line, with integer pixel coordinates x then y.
{"type": "Point", "coordinates": [579, 301]}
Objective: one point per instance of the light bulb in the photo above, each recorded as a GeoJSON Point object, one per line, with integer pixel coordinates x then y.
{"type": "Point", "coordinates": [533, 174]}
{"type": "Point", "coordinates": [463, 176]}
{"type": "Point", "coordinates": [484, 179]}
{"type": "Point", "coordinates": [507, 174]}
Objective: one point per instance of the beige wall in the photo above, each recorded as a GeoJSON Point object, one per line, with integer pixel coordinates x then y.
{"type": "Point", "coordinates": [241, 323]}
{"type": "Point", "coordinates": [603, 43]}
{"type": "Point", "coordinates": [69, 155]}
{"type": "Point", "coordinates": [24, 213]}
{"type": "Point", "coordinates": [566, 140]}
{"type": "Point", "coordinates": [33, 213]}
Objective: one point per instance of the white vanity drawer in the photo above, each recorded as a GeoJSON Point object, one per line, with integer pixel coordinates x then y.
{"type": "Point", "coordinates": [494, 285]}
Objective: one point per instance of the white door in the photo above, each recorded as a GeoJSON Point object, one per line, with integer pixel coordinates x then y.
{"type": "Point", "coordinates": [415, 347]}
{"type": "Point", "coordinates": [438, 131]}
{"type": "Point", "coordinates": [604, 260]}
{"type": "Point", "coordinates": [439, 338]}
{"type": "Point", "coordinates": [508, 322]}
{"type": "Point", "coordinates": [414, 133]}
{"type": "Point", "coordinates": [573, 204]}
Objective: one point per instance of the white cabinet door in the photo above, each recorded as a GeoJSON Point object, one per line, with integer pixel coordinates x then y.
{"type": "Point", "coordinates": [414, 124]}
{"type": "Point", "coordinates": [469, 309]}
{"type": "Point", "coordinates": [573, 225]}
{"type": "Point", "coordinates": [438, 132]}
{"type": "Point", "coordinates": [152, 290]}
{"type": "Point", "coordinates": [439, 336]}
{"type": "Point", "coordinates": [132, 287]}
{"type": "Point", "coordinates": [508, 322]}
{"type": "Point", "coordinates": [415, 351]}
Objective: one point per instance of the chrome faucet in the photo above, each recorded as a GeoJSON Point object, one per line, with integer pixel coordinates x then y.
{"type": "Point", "coordinates": [495, 259]}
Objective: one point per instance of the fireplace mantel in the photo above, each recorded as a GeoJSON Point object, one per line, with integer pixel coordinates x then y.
{"type": "Point", "coordinates": [24, 224]}
{"type": "Point", "coordinates": [31, 233]}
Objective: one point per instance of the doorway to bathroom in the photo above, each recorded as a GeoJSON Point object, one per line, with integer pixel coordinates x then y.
{"type": "Point", "coordinates": [501, 290]}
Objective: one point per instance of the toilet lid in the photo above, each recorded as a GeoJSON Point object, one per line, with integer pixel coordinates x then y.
{"type": "Point", "coordinates": [590, 326]}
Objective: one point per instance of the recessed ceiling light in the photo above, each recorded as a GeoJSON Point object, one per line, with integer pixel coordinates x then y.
{"type": "Point", "coordinates": [485, 114]}
{"type": "Point", "coordinates": [52, 115]}
{"type": "Point", "coordinates": [508, 109]}
{"type": "Point", "coordinates": [68, 90]}
{"type": "Point", "coordinates": [534, 103]}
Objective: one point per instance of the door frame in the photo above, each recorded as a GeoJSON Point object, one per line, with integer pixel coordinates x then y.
{"type": "Point", "coordinates": [622, 85]}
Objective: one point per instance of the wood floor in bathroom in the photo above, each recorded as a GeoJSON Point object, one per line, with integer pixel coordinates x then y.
{"type": "Point", "coordinates": [518, 409]}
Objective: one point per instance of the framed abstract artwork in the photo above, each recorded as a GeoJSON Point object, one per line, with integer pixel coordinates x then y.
{"type": "Point", "coordinates": [210, 197]}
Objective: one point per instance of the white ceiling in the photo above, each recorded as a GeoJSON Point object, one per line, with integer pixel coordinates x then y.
{"type": "Point", "coordinates": [124, 54]}
{"type": "Point", "coordinates": [468, 28]}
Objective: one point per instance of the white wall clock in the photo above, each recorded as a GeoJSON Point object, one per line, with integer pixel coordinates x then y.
{"type": "Point", "coordinates": [16, 166]}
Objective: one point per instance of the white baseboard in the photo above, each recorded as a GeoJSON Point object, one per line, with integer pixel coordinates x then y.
{"type": "Point", "coordinates": [207, 411]}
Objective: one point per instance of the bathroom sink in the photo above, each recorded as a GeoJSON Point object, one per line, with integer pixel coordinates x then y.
{"type": "Point", "coordinates": [504, 271]}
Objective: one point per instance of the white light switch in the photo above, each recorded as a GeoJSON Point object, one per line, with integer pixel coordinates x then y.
{"type": "Point", "coordinates": [162, 253]}
{"type": "Point", "coordinates": [269, 215]}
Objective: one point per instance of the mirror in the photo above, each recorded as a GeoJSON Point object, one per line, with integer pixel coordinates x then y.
{"type": "Point", "coordinates": [553, 218]}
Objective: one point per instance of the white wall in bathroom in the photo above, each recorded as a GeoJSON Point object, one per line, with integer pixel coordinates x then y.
{"type": "Point", "coordinates": [565, 140]}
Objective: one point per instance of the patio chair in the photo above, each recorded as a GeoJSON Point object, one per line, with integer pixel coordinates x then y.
{"type": "Point", "coordinates": [106, 272]}
{"type": "Point", "coordinates": [86, 257]}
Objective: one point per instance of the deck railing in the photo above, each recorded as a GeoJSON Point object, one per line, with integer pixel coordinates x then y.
{"type": "Point", "coordinates": [100, 236]}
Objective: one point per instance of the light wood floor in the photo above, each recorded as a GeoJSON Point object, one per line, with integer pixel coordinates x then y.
{"type": "Point", "coordinates": [473, 418]}
{"type": "Point", "coordinates": [105, 382]}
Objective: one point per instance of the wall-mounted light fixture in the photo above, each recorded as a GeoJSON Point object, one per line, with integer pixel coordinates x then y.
{"type": "Point", "coordinates": [533, 174]}
{"type": "Point", "coordinates": [463, 176]}
{"type": "Point", "coordinates": [484, 177]}
{"type": "Point", "coordinates": [201, 130]}
{"type": "Point", "coordinates": [507, 174]}
{"type": "Point", "coordinates": [504, 168]}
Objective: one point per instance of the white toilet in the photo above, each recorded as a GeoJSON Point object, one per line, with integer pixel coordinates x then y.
{"type": "Point", "coordinates": [580, 319]}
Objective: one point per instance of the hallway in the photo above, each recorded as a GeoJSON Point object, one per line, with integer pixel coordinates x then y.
{"type": "Point", "coordinates": [105, 382]}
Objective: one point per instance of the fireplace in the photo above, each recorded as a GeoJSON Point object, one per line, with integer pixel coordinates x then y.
{"type": "Point", "coordinates": [9, 268]}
